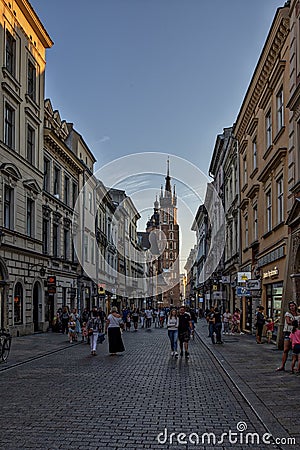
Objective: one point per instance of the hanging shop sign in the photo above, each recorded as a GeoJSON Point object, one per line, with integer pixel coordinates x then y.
{"type": "Point", "coordinates": [253, 285]}
{"type": "Point", "coordinates": [226, 279]}
{"type": "Point", "coordinates": [51, 284]}
{"type": "Point", "coordinates": [243, 292]}
{"type": "Point", "coordinates": [243, 277]}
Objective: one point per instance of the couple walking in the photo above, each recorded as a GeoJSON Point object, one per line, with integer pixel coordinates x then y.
{"type": "Point", "coordinates": [114, 324]}
{"type": "Point", "coordinates": [179, 326]}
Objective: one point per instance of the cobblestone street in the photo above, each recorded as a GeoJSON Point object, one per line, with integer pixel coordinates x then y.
{"type": "Point", "coordinates": [71, 400]}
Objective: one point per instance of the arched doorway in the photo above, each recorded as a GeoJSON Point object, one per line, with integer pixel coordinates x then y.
{"type": "Point", "coordinates": [37, 306]}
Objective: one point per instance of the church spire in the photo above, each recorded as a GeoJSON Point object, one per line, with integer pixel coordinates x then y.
{"type": "Point", "coordinates": [168, 178]}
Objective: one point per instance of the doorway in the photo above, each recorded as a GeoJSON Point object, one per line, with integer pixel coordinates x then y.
{"type": "Point", "coordinates": [37, 306]}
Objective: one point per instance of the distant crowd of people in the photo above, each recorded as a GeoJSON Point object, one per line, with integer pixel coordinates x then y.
{"type": "Point", "coordinates": [92, 326]}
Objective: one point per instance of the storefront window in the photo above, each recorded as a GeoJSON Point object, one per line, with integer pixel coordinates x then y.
{"type": "Point", "coordinates": [274, 301]}
{"type": "Point", "coordinates": [18, 304]}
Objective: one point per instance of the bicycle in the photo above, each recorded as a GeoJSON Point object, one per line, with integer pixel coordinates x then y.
{"type": "Point", "coordinates": [5, 344]}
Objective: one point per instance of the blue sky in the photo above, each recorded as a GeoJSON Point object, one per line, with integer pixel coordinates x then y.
{"type": "Point", "coordinates": [153, 75]}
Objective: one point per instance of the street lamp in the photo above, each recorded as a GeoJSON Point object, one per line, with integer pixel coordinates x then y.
{"type": "Point", "coordinates": [42, 271]}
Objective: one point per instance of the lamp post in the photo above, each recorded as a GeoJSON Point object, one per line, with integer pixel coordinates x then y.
{"type": "Point", "coordinates": [42, 271]}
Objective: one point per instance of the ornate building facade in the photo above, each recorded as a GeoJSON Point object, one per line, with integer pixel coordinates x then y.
{"type": "Point", "coordinates": [23, 42]}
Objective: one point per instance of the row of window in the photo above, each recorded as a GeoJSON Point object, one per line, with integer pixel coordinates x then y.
{"type": "Point", "coordinates": [55, 246]}
{"type": "Point", "coordinates": [9, 222]}
{"type": "Point", "coordinates": [269, 212]}
{"type": "Point", "coordinates": [9, 211]}
{"type": "Point", "coordinates": [10, 65]}
{"type": "Point", "coordinates": [10, 133]}
{"type": "Point", "coordinates": [170, 255]}
{"type": "Point", "coordinates": [64, 188]}
{"type": "Point", "coordinates": [269, 132]}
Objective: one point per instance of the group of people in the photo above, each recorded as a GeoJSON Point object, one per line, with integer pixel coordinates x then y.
{"type": "Point", "coordinates": [180, 323]}
{"type": "Point", "coordinates": [96, 327]}
{"type": "Point", "coordinates": [92, 326]}
{"type": "Point", "coordinates": [291, 334]}
{"type": "Point", "coordinates": [146, 318]}
{"type": "Point", "coordinates": [230, 323]}
{"type": "Point", "coordinates": [180, 327]}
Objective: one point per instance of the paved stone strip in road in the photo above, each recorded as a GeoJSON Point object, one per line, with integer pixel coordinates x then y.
{"type": "Point", "coordinates": [71, 400]}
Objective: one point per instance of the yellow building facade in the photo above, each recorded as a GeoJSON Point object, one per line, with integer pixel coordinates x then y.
{"type": "Point", "coordinates": [262, 131]}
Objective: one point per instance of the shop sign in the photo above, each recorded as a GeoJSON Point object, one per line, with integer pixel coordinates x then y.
{"type": "Point", "coordinates": [253, 285]}
{"type": "Point", "coordinates": [101, 290]}
{"type": "Point", "coordinates": [217, 295]}
{"type": "Point", "coordinates": [243, 277]}
{"type": "Point", "coordinates": [271, 273]}
{"type": "Point", "coordinates": [226, 279]}
{"type": "Point", "coordinates": [242, 292]}
{"type": "Point", "coordinates": [51, 284]}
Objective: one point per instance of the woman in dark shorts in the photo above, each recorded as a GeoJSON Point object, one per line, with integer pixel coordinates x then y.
{"type": "Point", "coordinates": [291, 315]}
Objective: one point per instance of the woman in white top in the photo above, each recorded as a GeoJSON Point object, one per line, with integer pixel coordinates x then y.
{"type": "Point", "coordinates": [172, 326]}
{"type": "Point", "coordinates": [113, 324]}
{"type": "Point", "coordinates": [291, 315]}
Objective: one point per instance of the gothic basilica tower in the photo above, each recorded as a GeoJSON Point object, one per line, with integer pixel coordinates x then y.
{"type": "Point", "coordinates": [165, 220]}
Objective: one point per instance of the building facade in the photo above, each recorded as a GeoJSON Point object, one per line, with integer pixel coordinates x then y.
{"type": "Point", "coordinates": [262, 132]}
{"type": "Point", "coordinates": [24, 41]}
{"type": "Point", "coordinates": [292, 278]}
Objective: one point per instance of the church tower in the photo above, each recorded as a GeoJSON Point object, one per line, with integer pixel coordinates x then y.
{"type": "Point", "coordinates": [164, 219]}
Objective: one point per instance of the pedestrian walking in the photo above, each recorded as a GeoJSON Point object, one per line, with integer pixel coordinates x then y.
{"type": "Point", "coordinates": [295, 341]}
{"type": "Point", "coordinates": [76, 317]}
{"type": "Point", "coordinates": [72, 330]}
{"type": "Point", "coordinates": [135, 319]}
{"type": "Point", "coordinates": [156, 319]}
{"type": "Point", "coordinates": [102, 316]}
{"type": "Point", "coordinates": [226, 318]}
{"type": "Point", "coordinates": [128, 322]}
{"type": "Point", "coordinates": [56, 323]}
{"type": "Point", "coordinates": [270, 328]}
{"type": "Point", "coordinates": [65, 320]}
{"type": "Point", "coordinates": [291, 315]}
{"type": "Point", "coordinates": [94, 327]}
{"type": "Point", "coordinates": [236, 322]}
{"type": "Point", "coordinates": [113, 324]}
{"type": "Point", "coordinates": [161, 314]}
{"type": "Point", "coordinates": [148, 314]}
{"type": "Point", "coordinates": [142, 318]}
{"type": "Point", "coordinates": [84, 332]}
{"type": "Point", "coordinates": [172, 325]}
{"type": "Point", "coordinates": [260, 321]}
{"type": "Point", "coordinates": [184, 330]}
{"type": "Point", "coordinates": [218, 326]}
{"type": "Point", "coordinates": [210, 318]}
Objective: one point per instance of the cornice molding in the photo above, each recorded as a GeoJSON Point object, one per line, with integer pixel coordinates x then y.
{"type": "Point", "coordinates": [62, 150]}
{"type": "Point", "coordinates": [274, 162]}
